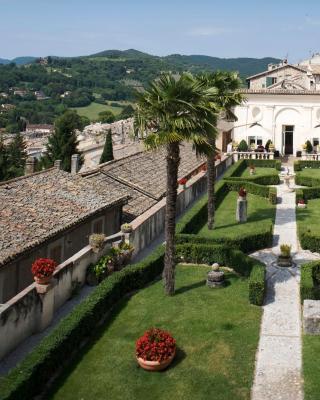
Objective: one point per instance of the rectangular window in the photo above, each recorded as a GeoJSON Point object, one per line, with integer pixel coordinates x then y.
{"type": "Point", "coordinates": [270, 80]}
{"type": "Point", "coordinates": [315, 141]}
{"type": "Point", "coordinates": [251, 140]}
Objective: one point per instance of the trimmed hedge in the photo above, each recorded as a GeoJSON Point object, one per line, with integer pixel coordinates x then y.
{"type": "Point", "coordinates": [307, 180]}
{"type": "Point", "coordinates": [251, 187]}
{"type": "Point", "coordinates": [225, 255]}
{"type": "Point", "coordinates": [309, 240]}
{"type": "Point", "coordinates": [309, 288]}
{"type": "Point", "coordinates": [246, 243]}
{"type": "Point", "coordinates": [300, 164]}
{"type": "Point", "coordinates": [38, 367]}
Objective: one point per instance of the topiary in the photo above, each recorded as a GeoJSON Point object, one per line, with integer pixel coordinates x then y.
{"type": "Point", "coordinates": [243, 146]}
{"type": "Point", "coordinates": [268, 144]}
{"type": "Point", "coordinates": [309, 146]}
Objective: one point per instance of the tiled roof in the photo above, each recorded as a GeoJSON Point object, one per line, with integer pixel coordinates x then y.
{"type": "Point", "coordinates": [298, 68]}
{"type": "Point", "coordinates": [36, 207]}
{"type": "Point", "coordinates": [279, 91]}
{"type": "Point", "coordinates": [146, 171]}
{"type": "Point", "coordinates": [138, 202]}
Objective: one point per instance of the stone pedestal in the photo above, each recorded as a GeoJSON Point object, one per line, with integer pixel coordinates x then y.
{"type": "Point", "coordinates": [241, 214]}
{"type": "Point", "coordinates": [311, 317]}
{"type": "Point", "coordinates": [215, 279]}
{"type": "Point", "coordinates": [46, 294]}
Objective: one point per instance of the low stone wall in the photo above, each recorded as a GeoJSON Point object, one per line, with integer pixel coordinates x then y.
{"type": "Point", "coordinates": [149, 225]}
{"type": "Point", "coordinates": [30, 312]}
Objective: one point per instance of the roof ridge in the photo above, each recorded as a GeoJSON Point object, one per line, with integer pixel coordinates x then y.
{"type": "Point", "coordinates": [20, 178]}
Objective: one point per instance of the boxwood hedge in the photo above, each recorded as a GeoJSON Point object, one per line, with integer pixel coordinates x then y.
{"type": "Point", "coordinates": [300, 164]}
{"type": "Point", "coordinates": [309, 284]}
{"type": "Point", "coordinates": [227, 256]}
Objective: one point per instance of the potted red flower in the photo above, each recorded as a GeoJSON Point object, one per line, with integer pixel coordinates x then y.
{"type": "Point", "coordinates": [242, 193]}
{"type": "Point", "coordinates": [155, 350]}
{"type": "Point", "coordinates": [182, 182]}
{"type": "Point", "coordinates": [301, 203]}
{"type": "Point", "coordinates": [42, 270]}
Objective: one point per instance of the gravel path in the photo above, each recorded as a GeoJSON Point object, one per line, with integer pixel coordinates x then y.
{"type": "Point", "coordinates": [278, 373]}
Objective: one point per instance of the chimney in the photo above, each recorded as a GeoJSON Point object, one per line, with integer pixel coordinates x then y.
{"type": "Point", "coordinates": [57, 164]}
{"type": "Point", "coordinates": [29, 168]}
{"type": "Point", "coordinates": [74, 163]}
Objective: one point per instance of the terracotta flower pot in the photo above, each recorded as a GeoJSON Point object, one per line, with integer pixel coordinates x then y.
{"type": "Point", "coordinates": [43, 281]}
{"type": "Point", "coordinates": [155, 365]}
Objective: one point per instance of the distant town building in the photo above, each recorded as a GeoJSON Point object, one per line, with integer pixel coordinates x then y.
{"type": "Point", "coordinates": [41, 129]}
{"type": "Point", "coordinates": [40, 95]}
{"type": "Point", "coordinates": [20, 92]}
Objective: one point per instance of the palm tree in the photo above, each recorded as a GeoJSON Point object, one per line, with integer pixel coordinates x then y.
{"type": "Point", "coordinates": [172, 110]}
{"type": "Point", "coordinates": [226, 85]}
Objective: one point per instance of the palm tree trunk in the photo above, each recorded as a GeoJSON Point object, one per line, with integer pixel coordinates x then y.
{"type": "Point", "coordinates": [211, 176]}
{"type": "Point", "coordinates": [173, 159]}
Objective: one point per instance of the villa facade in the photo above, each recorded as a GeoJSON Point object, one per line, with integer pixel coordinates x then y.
{"type": "Point", "coordinates": [282, 105]}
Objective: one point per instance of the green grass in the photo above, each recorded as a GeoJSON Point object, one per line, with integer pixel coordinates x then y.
{"type": "Point", "coordinates": [260, 211]}
{"type": "Point", "coordinates": [217, 334]}
{"type": "Point", "coordinates": [308, 218]}
{"type": "Point", "coordinates": [92, 111]}
{"type": "Point", "coordinates": [310, 172]}
{"type": "Point", "coordinates": [311, 367]}
{"type": "Point", "coordinates": [259, 172]}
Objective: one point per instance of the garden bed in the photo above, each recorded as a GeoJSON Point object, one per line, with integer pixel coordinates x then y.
{"type": "Point", "coordinates": [217, 334]}
{"type": "Point", "coordinates": [308, 225]}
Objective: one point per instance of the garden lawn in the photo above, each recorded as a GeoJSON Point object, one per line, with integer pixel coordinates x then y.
{"type": "Point", "coordinates": [217, 333]}
{"type": "Point", "coordinates": [261, 213]}
{"type": "Point", "coordinates": [308, 218]}
{"type": "Point", "coordinates": [259, 172]}
{"type": "Point", "coordinates": [311, 367]}
{"type": "Point", "coordinates": [92, 111]}
{"type": "Point", "coordinates": [310, 172]}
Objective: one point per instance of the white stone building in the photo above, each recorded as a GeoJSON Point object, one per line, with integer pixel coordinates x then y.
{"type": "Point", "coordinates": [282, 105]}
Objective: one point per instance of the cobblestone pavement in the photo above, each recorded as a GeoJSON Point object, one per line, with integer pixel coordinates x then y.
{"type": "Point", "coordinates": [278, 373]}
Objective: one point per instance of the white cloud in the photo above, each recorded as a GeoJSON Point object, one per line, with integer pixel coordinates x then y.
{"type": "Point", "coordinates": [209, 31]}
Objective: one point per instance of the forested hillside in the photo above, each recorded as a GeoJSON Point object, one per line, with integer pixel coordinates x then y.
{"type": "Point", "coordinates": [37, 90]}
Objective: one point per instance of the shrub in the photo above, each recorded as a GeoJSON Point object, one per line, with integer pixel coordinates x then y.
{"type": "Point", "coordinates": [309, 240]}
{"type": "Point", "coordinates": [236, 259]}
{"type": "Point", "coordinates": [285, 250]}
{"type": "Point", "coordinates": [246, 242]}
{"type": "Point", "coordinates": [38, 367]}
{"type": "Point", "coordinates": [300, 164]}
{"type": "Point", "coordinates": [309, 147]}
{"type": "Point", "coordinates": [309, 288]}
{"type": "Point", "coordinates": [243, 146]}
{"type": "Point", "coordinates": [272, 195]}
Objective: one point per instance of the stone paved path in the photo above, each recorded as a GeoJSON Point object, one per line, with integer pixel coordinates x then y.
{"type": "Point", "coordinates": [278, 372]}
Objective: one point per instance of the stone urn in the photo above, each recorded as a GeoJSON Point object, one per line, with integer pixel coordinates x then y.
{"type": "Point", "coordinates": [284, 261]}
{"type": "Point", "coordinates": [126, 228]}
{"type": "Point", "coordinates": [155, 365]}
{"type": "Point", "coordinates": [215, 279]}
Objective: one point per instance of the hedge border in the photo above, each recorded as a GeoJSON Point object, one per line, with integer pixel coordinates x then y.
{"type": "Point", "coordinates": [308, 289]}
{"type": "Point", "coordinates": [300, 164]}
{"type": "Point", "coordinates": [236, 259]}
{"type": "Point", "coordinates": [237, 168]}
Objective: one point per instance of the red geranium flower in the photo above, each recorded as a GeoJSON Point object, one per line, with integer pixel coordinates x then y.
{"type": "Point", "coordinates": [182, 181]}
{"type": "Point", "coordinates": [155, 345]}
{"type": "Point", "coordinates": [43, 267]}
{"type": "Point", "coordinates": [301, 201]}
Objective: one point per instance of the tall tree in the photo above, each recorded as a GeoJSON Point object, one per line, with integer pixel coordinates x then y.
{"type": "Point", "coordinates": [16, 157]}
{"type": "Point", "coordinates": [107, 154]}
{"type": "Point", "coordinates": [63, 143]}
{"type": "Point", "coordinates": [226, 97]}
{"type": "Point", "coordinates": [171, 111]}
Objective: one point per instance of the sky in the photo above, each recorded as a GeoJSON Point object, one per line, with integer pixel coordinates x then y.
{"type": "Point", "coordinates": [228, 29]}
